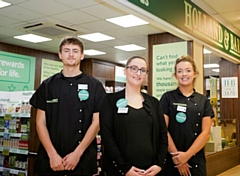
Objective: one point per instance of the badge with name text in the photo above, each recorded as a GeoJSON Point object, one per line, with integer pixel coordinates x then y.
{"type": "Point", "coordinates": [122, 110]}
{"type": "Point", "coordinates": [181, 108]}
{"type": "Point", "coordinates": [121, 104]}
{"type": "Point", "coordinates": [82, 86]}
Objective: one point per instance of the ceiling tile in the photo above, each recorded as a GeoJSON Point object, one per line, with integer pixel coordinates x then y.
{"type": "Point", "coordinates": [77, 4]}
{"type": "Point", "coordinates": [75, 17]}
{"type": "Point", "coordinates": [100, 26]}
{"type": "Point", "coordinates": [222, 6]}
{"type": "Point", "coordinates": [102, 11]}
{"type": "Point", "coordinates": [5, 21]}
{"type": "Point", "coordinates": [19, 13]}
{"type": "Point", "coordinates": [47, 7]}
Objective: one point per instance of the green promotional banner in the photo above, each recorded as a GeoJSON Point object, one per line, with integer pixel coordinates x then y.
{"type": "Point", "coordinates": [188, 17]}
{"type": "Point", "coordinates": [50, 67]}
{"type": "Point", "coordinates": [17, 72]}
{"type": "Point", "coordinates": [164, 58]}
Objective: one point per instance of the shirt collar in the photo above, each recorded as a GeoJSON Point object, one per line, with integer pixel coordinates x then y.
{"type": "Point", "coordinates": [180, 93]}
{"type": "Point", "coordinates": [76, 77]}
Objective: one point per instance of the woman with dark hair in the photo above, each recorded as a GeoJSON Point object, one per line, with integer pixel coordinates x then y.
{"type": "Point", "coordinates": [132, 127]}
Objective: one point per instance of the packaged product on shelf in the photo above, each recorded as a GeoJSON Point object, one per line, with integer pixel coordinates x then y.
{"type": "Point", "coordinates": [1, 160]}
{"type": "Point", "coordinates": [4, 108]}
{"type": "Point", "coordinates": [1, 124]}
{"type": "Point", "coordinates": [6, 126]}
{"type": "Point", "coordinates": [18, 125]}
{"type": "Point", "coordinates": [23, 125]}
{"type": "Point", "coordinates": [17, 108]}
{"type": "Point", "coordinates": [1, 108]}
{"type": "Point", "coordinates": [23, 107]}
{"type": "Point", "coordinates": [28, 126]}
{"type": "Point", "coordinates": [28, 107]}
{"type": "Point", "coordinates": [10, 108]}
{"type": "Point", "coordinates": [23, 144]}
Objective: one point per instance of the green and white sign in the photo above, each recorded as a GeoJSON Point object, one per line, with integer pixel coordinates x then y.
{"type": "Point", "coordinates": [119, 74]}
{"type": "Point", "coordinates": [188, 17]}
{"type": "Point", "coordinates": [49, 68]}
{"type": "Point", "coordinates": [164, 58]}
{"type": "Point", "coordinates": [17, 72]}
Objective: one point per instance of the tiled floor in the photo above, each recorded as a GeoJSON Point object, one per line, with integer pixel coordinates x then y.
{"type": "Point", "coordinates": [235, 171]}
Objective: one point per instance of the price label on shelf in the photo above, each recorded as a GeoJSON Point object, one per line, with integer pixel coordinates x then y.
{"type": "Point", "coordinates": [21, 174]}
{"type": "Point", "coordinates": [6, 135]}
{"type": "Point", "coordinates": [6, 171]}
{"type": "Point", "coordinates": [14, 171]}
{"type": "Point", "coordinates": [24, 137]}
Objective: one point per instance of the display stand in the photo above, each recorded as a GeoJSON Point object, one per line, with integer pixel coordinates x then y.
{"type": "Point", "coordinates": [14, 132]}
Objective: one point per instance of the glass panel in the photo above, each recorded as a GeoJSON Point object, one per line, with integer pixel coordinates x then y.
{"type": "Point", "coordinates": [228, 133]}
{"type": "Point", "coordinates": [223, 136]}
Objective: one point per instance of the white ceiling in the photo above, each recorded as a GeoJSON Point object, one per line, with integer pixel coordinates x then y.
{"type": "Point", "coordinates": [88, 16]}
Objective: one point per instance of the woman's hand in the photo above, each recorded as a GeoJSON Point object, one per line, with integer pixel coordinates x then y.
{"type": "Point", "coordinates": [180, 158]}
{"type": "Point", "coordinates": [134, 172]}
{"type": "Point", "coordinates": [153, 170]}
{"type": "Point", "coordinates": [184, 169]}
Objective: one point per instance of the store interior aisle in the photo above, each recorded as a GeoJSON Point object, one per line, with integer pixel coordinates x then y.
{"type": "Point", "coordinates": [235, 171]}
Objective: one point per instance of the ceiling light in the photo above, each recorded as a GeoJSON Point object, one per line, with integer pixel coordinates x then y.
{"type": "Point", "coordinates": [92, 52]}
{"type": "Point", "coordinates": [210, 65]}
{"type": "Point", "coordinates": [216, 70]}
{"type": "Point", "coordinates": [96, 37]}
{"type": "Point", "coordinates": [131, 47]}
{"type": "Point", "coordinates": [123, 61]}
{"type": "Point", "coordinates": [127, 21]}
{"type": "Point", "coordinates": [4, 4]}
{"type": "Point", "coordinates": [205, 51]}
{"type": "Point", "coordinates": [32, 38]}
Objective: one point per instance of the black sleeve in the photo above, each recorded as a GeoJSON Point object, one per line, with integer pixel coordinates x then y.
{"type": "Point", "coordinates": [38, 98]}
{"type": "Point", "coordinates": [164, 101]}
{"type": "Point", "coordinates": [208, 110]}
{"type": "Point", "coordinates": [108, 136]}
{"type": "Point", "coordinates": [100, 93]}
{"type": "Point", "coordinates": [163, 139]}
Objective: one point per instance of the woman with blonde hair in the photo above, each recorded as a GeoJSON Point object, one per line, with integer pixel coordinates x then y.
{"type": "Point", "coordinates": [188, 118]}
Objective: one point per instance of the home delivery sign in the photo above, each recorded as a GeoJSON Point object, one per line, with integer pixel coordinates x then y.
{"type": "Point", "coordinates": [17, 72]}
{"type": "Point", "coordinates": [190, 18]}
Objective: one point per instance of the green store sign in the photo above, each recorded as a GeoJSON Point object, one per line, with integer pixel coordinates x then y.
{"type": "Point", "coordinates": [188, 17]}
{"type": "Point", "coordinates": [17, 72]}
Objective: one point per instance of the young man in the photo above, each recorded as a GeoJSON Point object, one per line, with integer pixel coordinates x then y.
{"type": "Point", "coordinates": [67, 119]}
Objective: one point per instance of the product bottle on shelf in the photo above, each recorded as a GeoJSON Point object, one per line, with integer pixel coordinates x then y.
{"type": "Point", "coordinates": [18, 125]}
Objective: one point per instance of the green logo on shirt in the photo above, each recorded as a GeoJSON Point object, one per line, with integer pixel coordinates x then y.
{"type": "Point", "coordinates": [122, 103]}
{"type": "Point", "coordinates": [181, 117]}
{"type": "Point", "coordinates": [83, 95]}
{"type": "Point", "coordinates": [53, 100]}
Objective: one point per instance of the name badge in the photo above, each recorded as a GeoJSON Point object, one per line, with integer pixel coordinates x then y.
{"type": "Point", "coordinates": [82, 86]}
{"type": "Point", "coordinates": [122, 110]}
{"type": "Point", "coordinates": [181, 108]}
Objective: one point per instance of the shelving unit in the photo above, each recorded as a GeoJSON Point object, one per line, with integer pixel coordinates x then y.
{"type": "Point", "coordinates": [14, 147]}
{"type": "Point", "coordinates": [14, 134]}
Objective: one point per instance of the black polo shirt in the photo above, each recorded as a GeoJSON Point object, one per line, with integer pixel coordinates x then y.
{"type": "Point", "coordinates": [185, 124]}
{"type": "Point", "coordinates": [69, 104]}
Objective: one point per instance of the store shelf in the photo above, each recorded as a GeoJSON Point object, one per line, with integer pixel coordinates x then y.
{"type": "Point", "coordinates": [14, 150]}
{"type": "Point", "coordinates": [14, 171]}
{"type": "Point", "coordinates": [26, 115]}
{"type": "Point", "coordinates": [18, 135]}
